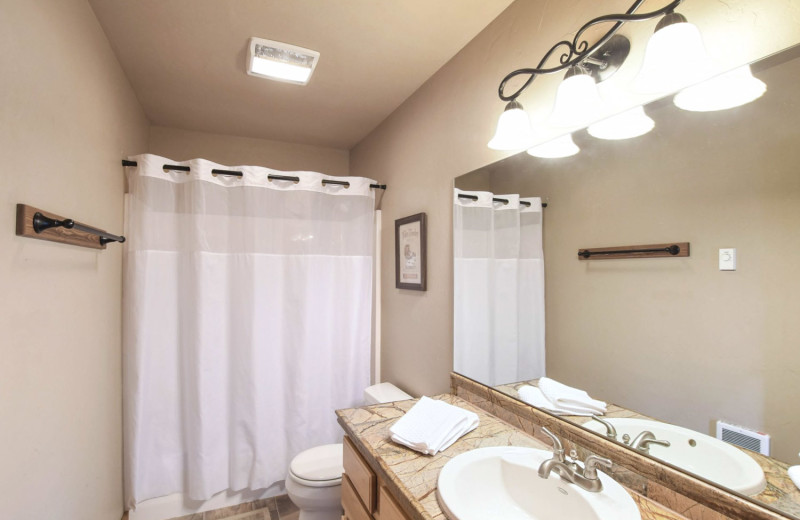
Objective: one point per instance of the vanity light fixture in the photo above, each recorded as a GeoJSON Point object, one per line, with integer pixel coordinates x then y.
{"type": "Point", "coordinates": [514, 130]}
{"type": "Point", "coordinates": [557, 148]}
{"type": "Point", "coordinates": [577, 99]}
{"type": "Point", "coordinates": [728, 90]}
{"type": "Point", "coordinates": [281, 61]}
{"type": "Point", "coordinates": [675, 57]}
{"type": "Point", "coordinates": [601, 59]}
{"type": "Point", "coordinates": [626, 125]}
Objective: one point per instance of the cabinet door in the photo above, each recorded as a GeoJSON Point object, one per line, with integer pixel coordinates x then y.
{"type": "Point", "coordinates": [360, 474]}
{"type": "Point", "coordinates": [353, 508]}
{"type": "Point", "coordinates": [389, 508]}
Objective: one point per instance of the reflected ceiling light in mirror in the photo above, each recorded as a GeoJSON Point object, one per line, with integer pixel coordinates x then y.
{"type": "Point", "coordinates": [514, 130]}
{"type": "Point", "coordinates": [674, 58]}
{"type": "Point", "coordinates": [577, 99]}
{"type": "Point", "coordinates": [627, 125]}
{"type": "Point", "coordinates": [732, 89]}
{"type": "Point", "coordinates": [557, 148]}
{"type": "Point", "coordinates": [602, 58]}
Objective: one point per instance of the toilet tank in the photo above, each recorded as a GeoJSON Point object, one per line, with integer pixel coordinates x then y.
{"type": "Point", "coordinates": [384, 393]}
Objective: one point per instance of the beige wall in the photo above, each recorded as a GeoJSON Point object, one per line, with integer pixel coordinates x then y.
{"type": "Point", "coordinates": [67, 117]}
{"type": "Point", "coordinates": [182, 145]}
{"type": "Point", "coordinates": [441, 131]}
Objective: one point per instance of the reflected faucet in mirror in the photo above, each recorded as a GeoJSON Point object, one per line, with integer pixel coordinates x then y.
{"type": "Point", "coordinates": [643, 441]}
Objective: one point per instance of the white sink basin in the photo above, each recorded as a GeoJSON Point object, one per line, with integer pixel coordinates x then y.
{"type": "Point", "coordinates": [503, 484]}
{"type": "Point", "coordinates": [695, 452]}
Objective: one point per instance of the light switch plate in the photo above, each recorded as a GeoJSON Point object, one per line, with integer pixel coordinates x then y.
{"type": "Point", "coordinates": [727, 259]}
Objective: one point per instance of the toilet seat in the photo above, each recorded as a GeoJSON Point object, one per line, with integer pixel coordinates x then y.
{"type": "Point", "coordinates": [316, 483]}
{"type": "Point", "coordinates": [318, 467]}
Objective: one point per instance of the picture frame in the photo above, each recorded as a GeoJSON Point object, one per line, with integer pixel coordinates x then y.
{"type": "Point", "coordinates": [411, 252]}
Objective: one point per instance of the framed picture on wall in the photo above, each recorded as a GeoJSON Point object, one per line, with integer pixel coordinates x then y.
{"type": "Point", "coordinates": [410, 252]}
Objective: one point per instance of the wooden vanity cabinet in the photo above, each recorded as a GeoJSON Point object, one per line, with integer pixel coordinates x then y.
{"type": "Point", "coordinates": [363, 495]}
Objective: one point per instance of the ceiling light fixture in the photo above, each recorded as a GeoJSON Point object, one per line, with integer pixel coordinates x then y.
{"type": "Point", "coordinates": [732, 89]}
{"type": "Point", "coordinates": [626, 125]}
{"type": "Point", "coordinates": [280, 61]}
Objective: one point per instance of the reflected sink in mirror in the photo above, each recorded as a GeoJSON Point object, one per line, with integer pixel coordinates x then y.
{"type": "Point", "coordinates": [698, 453]}
{"type": "Point", "coordinates": [502, 482]}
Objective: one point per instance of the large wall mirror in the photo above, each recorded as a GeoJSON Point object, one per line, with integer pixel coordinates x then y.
{"type": "Point", "coordinates": [674, 340]}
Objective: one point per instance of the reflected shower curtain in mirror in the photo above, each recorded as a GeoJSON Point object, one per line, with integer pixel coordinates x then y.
{"type": "Point", "coordinates": [498, 269]}
{"type": "Point", "coordinates": [247, 322]}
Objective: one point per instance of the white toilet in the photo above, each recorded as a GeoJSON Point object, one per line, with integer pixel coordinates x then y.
{"type": "Point", "coordinates": [314, 481]}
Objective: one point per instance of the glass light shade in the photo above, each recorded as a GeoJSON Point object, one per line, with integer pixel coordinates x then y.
{"type": "Point", "coordinates": [281, 71]}
{"type": "Point", "coordinates": [559, 147]}
{"type": "Point", "coordinates": [675, 57]}
{"type": "Point", "coordinates": [514, 130]}
{"type": "Point", "coordinates": [577, 101]}
{"type": "Point", "coordinates": [728, 90]}
{"type": "Point", "coordinates": [628, 124]}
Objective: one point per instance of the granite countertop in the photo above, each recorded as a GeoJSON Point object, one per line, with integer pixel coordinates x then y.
{"type": "Point", "coordinates": [780, 493]}
{"type": "Point", "coordinates": [411, 476]}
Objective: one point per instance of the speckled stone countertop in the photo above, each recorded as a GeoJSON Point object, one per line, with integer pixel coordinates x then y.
{"type": "Point", "coordinates": [780, 492]}
{"type": "Point", "coordinates": [411, 477]}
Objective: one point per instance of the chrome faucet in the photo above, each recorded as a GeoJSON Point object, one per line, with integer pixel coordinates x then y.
{"type": "Point", "coordinates": [571, 472]}
{"type": "Point", "coordinates": [643, 441]}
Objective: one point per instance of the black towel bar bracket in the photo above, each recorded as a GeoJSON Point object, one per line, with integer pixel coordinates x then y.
{"type": "Point", "coordinates": [35, 223]}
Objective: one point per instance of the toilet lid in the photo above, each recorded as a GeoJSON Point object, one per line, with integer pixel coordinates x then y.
{"type": "Point", "coordinates": [318, 464]}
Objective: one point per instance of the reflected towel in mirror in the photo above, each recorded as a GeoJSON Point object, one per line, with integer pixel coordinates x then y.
{"type": "Point", "coordinates": [535, 397]}
{"type": "Point", "coordinates": [794, 474]}
{"type": "Point", "coordinates": [569, 398]}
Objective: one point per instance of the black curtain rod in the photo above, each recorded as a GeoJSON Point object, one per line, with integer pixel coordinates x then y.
{"type": "Point", "coordinates": [234, 173]}
{"type": "Point", "coordinates": [504, 201]}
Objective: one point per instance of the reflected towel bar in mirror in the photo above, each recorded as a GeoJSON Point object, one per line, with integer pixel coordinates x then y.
{"type": "Point", "coordinates": [679, 249]}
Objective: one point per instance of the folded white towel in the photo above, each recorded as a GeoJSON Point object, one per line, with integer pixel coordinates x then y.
{"type": "Point", "coordinates": [572, 399]}
{"type": "Point", "coordinates": [535, 397]}
{"type": "Point", "coordinates": [431, 426]}
{"type": "Point", "coordinates": [794, 474]}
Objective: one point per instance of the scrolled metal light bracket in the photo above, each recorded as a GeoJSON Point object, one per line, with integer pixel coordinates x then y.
{"type": "Point", "coordinates": [602, 58]}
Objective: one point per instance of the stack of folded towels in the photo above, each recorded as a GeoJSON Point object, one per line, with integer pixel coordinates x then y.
{"type": "Point", "coordinates": [561, 399]}
{"type": "Point", "coordinates": [431, 426]}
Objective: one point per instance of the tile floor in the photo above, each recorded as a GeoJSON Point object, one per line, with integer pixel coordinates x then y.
{"type": "Point", "coordinates": [276, 508]}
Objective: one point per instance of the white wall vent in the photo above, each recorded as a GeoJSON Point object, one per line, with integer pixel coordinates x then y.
{"type": "Point", "coordinates": [744, 438]}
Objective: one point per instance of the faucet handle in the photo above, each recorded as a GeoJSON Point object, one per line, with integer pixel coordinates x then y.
{"type": "Point", "coordinates": [591, 463]}
{"type": "Point", "coordinates": [611, 432]}
{"type": "Point", "coordinates": [558, 448]}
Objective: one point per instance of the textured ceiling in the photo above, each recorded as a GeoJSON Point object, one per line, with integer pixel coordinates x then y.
{"type": "Point", "coordinates": [186, 60]}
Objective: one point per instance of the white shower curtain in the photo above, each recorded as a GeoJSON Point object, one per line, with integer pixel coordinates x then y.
{"type": "Point", "coordinates": [498, 288]}
{"type": "Point", "coordinates": [247, 322]}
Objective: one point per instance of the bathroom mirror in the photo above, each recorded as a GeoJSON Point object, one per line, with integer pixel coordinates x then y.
{"type": "Point", "coordinates": [679, 339]}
